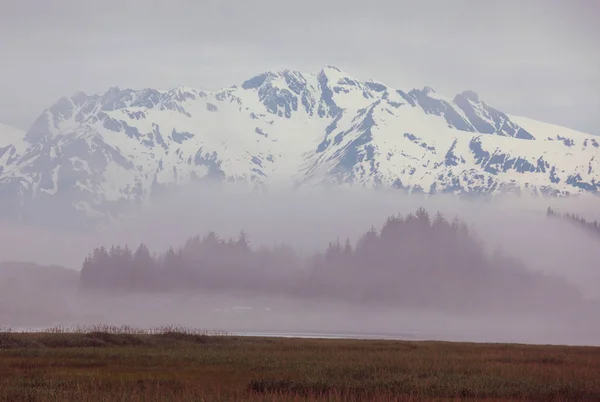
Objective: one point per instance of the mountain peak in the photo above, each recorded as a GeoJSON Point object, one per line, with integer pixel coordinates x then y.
{"type": "Point", "coordinates": [258, 80]}
{"type": "Point", "coordinates": [470, 95]}
{"type": "Point", "coordinates": [333, 73]}
{"type": "Point", "coordinates": [80, 97]}
{"type": "Point", "coordinates": [331, 67]}
{"type": "Point", "coordinates": [114, 89]}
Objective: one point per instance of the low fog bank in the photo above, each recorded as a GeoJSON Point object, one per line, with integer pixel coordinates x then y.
{"type": "Point", "coordinates": [279, 316]}
{"type": "Point", "coordinates": [32, 294]}
{"type": "Point", "coordinates": [28, 305]}
{"type": "Point", "coordinates": [308, 220]}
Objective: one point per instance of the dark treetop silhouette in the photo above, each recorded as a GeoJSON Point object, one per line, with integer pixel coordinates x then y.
{"type": "Point", "coordinates": [414, 261]}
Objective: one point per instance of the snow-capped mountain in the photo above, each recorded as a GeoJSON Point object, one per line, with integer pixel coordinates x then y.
{"type": "Point", "coordinates": [91, 156]}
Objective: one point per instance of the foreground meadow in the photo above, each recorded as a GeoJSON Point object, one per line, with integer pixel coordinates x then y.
{"type": "Point", "coordinates": [104, 364]}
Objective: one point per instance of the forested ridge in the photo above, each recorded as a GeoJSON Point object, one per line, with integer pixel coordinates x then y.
{"type": "Point", "coordinates": [413, 260]}
{"type": "Point", "coordinates": [591, 226]}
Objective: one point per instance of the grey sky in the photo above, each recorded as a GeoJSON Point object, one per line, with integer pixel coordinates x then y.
{"type": "Point", "coordinates": [538, 58]}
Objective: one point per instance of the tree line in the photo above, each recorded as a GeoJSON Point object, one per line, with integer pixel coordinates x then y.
{"type": "Point", "coordinates": [413, 260]}
{"type": "Point", "coordinates": [591, 226]}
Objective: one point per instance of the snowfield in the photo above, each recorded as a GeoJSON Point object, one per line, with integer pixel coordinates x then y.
{"type": "Point", "coordinates": [90, 157]}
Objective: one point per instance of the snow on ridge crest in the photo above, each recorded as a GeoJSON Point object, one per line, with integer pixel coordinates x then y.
{"type": "Point", "coordinates": [102, 152]}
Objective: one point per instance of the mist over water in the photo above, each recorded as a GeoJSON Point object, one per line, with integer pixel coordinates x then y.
{"type": "Point", "coordinates": [308, 220]}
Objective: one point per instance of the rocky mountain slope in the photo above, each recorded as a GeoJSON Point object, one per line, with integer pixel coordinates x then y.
{"type": "Point", "coordinates": [89, 157]}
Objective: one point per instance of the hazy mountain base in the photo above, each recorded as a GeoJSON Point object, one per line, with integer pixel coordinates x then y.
{"type": "Point", "coordinates": [309, 219]}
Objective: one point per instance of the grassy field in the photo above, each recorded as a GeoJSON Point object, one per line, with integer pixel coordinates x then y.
{"type": "Point", "coordinates": [174, 365]}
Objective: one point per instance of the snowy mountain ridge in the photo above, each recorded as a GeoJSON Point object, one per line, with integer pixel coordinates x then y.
{"type": "Point", "coordinates": [89, 157]}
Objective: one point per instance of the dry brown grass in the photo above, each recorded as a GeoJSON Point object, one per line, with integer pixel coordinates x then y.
{"type": "Point", "coordinates": [175, 364]}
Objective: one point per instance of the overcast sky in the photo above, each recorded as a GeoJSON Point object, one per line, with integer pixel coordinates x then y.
{"type": "Point", "coordinates": [537, 58]}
